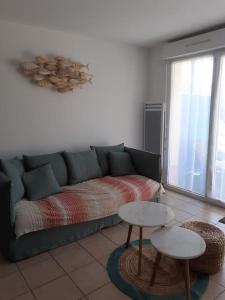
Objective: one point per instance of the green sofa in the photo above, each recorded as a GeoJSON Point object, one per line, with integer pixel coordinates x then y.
{"type": "Point", "coordinates": [145, 163]}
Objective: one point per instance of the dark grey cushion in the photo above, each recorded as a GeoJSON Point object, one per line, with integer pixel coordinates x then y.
{"type": "Point", "coordinates": [120, 164]}
{"type": "Point", "coordinates": [40, 183]}
{"type": "Point", "coordinates": [102, 153]}
{"type": "Point", "coordinates": [146, 163]}
{"type": "Point", "coordinates": [14, 169]}
{"type": "Point", "coordinates": [56, 161]}
{"type": "Point", "coordinates": [82, 166]}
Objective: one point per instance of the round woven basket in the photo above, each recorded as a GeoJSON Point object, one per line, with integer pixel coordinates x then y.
{"type": "Point", "coordinates": [213, 258]}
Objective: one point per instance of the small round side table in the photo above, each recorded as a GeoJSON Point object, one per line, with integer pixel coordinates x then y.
{"type": "Point", "coordinates": [144, 214]}
{"type": "Point", "coordinates": [178, 243]}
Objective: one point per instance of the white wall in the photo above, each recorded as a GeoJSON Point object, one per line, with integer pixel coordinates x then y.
{"type": "Point", "coordinates": [157, 75]}
{"type": "Point", "coordinates": [38, 120]}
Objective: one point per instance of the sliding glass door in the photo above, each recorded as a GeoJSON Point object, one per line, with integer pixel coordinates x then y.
{"type": "Point", "coordinates": [196, 126]}
{"type": "Point", "coordinates": [191, 82]}
{"type": "Point", "coordinates": [218, 149]}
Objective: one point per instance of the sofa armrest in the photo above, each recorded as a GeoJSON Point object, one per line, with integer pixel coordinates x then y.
{"type": "Point", "coordinates": [146, 163]}
{"type": "Point", "coordinates": [7, 214]}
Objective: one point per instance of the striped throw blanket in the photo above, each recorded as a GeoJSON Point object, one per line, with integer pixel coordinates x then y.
{"type": "Point", "coordinates": [83, 202]}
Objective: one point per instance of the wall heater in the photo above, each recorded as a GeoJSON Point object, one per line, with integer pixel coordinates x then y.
{"type": "Point", "coordinates": [153, 127]}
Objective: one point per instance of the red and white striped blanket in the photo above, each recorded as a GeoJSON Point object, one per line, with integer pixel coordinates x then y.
{"type": "Point", "coordinates": [83, 202]}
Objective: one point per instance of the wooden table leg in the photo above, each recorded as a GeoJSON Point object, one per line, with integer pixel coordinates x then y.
{"type": "Point", "coordinates": [187, 279]}
{"type": "Point", "coordinates": [129, 235]}
{"type": "Point", "coordinates": [156, 265]}
{"type": "Point", "coordinates": [140, 250]}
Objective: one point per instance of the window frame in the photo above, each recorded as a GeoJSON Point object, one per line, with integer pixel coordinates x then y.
{"type": "Point", "coordinates": [207, 197]}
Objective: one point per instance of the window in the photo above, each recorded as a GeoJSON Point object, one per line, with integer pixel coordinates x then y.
{"type": "Point", "coordinates": [218, 162]}
{"type": "Point", "coordinates": [191, 126]}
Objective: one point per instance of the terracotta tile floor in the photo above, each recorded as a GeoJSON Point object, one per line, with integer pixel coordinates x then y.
{"type": "Point", "coordinates": [78, 270]}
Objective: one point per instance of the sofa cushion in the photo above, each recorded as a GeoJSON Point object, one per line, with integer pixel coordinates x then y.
{"type": "Point", "coordinates": [120, 164]}
{"type": "Point", "coordinates": [40, 183]}
{"type": "Point", "coordinates": [102, 153]}
{"type": "Point", "coordinates": [56, 161]}
{"type": "Point", "coordinates": [14, 169]}
{"type": "Point", "coordinates": [82, 166]}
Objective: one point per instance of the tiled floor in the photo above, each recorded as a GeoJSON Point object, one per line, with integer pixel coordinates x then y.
{"type": "Point", "coordinates": [77, 271]}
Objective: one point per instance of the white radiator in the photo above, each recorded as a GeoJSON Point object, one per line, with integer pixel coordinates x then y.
{"type": "Point", "coordinates": [153, 127]}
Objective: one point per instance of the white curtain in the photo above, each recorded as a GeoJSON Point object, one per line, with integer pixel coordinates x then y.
{"type": "Point", "coordinates": [191, 84]}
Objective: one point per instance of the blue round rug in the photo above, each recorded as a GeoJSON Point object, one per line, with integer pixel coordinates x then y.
{"type": "Point", "coordinates": [169, 283]}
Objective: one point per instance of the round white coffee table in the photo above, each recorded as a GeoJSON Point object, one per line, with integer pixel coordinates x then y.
{"type": "Point", "coordinates": [144, 214]}
{"type": "Point", "coordinates": [179, 243]}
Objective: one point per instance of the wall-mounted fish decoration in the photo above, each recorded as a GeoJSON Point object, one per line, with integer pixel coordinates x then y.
{"type": "Point", "coordinates": [57, 72]}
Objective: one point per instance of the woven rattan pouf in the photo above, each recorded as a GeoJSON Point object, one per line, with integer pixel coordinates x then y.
{"type": "Point", "coordinates": [212, 260]}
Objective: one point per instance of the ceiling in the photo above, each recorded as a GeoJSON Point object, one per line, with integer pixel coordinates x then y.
{"type": "Point", "coordinates": [140, 22]}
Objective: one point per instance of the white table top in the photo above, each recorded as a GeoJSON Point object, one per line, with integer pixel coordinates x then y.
{"type": "Point", "coordinates": [178, 242]}
{"type": "Point", "coordinates": [146, 214]}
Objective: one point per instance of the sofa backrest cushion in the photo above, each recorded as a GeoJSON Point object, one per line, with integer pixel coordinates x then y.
{"type": "Point", "coordinates": [146, 164]}
{"type": "Point", "coordinates": [40, 183]}
{"type": "Point", "coordinates": [102, 153]}
{"type": "Point", "coordinates": [14, 169]}
{"type": "Point", "coordinates": [56, 161]}
{"type": "Point", "coordinates": [120, 164]}
{"type": "Point", "coordinates": [82, 166]}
